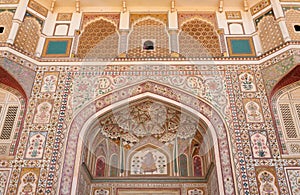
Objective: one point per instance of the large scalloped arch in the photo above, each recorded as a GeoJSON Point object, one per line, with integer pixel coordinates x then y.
{"type": "Point", "coordinates": [101, 105]}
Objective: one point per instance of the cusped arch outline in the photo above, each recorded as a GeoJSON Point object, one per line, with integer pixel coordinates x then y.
{"type": "Point", "coordinates": [200, 108]}
{"type": "Point", "coordinates": [97, 20]}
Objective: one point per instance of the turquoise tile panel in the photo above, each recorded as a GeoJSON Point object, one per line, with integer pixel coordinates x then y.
{"type": "Point", "coordinates": [57, 47]}
{"type": "Point", "coordinates": [240, 47]}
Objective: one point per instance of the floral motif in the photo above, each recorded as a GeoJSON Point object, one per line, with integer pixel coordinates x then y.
{"type": "Point", "coordinates": [247, 82]}
{"type": "Point", "coordinates": [259, 145]}
{"type": "Point", "coordinates": [49, 83]}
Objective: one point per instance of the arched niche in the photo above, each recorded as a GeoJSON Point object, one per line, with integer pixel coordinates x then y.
{"type": "Point", "coordinates": [285, 104]}
{"type": "Point", "coordinates": [13, 102]}
{"type": "Point", "coordinates": [148, 136]}
{"type": "Point", "coordinates": [202, 110]}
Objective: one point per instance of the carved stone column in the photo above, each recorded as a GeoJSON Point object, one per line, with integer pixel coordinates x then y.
{"type": "Point", "coordinates": [18, 18]}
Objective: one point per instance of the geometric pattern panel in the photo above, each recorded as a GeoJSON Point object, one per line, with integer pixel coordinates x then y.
{"type": "Point", "coordinates": [28, 35]}
{"type": "Point", "coordinates": [259, 6]}
{"type": "Point", "coordinates": [288, 122]}
{"type": "Point", "coordinates": [292, 17]}
{"type": "Point", "coordinates": [38, 8]}
{"type": "Point", "coordinates": [148, 191]}
{"type": "Point", "coordinates": [9, 122]}
{"type": "Point", "coordinates": [199, 39]}
{"type": "Point", "coordinates": [99, 39]}
{"type": "Point", "coordinates": [293, 176]}
{"type": "Point", "coordinates": [4, 178]}
{"type": "Point", "coordinates": [269, 33]}
{"type": "Point", "coordinates": [6, 22]}
{"type": "Point", "coordinates": [144, 29]}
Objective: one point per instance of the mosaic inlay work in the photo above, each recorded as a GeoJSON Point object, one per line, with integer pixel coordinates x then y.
{"type": "Point", "coordinates": [4, 178]}
{"type": "Point", "coordinates": [88, 18]}
{"type": "Point", "coordinates": [293, 175]}
{"type": "Point", "coordinates": [160, 17]}
{"type": "Point", "coordinates": [207, 16]}
{"type": "Point", "coordinates": [64, 17]}
{"type": "Point", "coordinates": [38, 8]}
{"type": "Point", "coordinates": [260, 6]}
{"type": "Point", "coordinates": [239, 128]}
{"type": "Point", "coordinates": [233, 15]}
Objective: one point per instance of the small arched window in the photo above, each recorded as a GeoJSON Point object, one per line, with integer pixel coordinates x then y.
{"type": "Point", "coordinates": [1, 29]}
{"type": "Point", "coordinates": [100, 167]}
{"type": "Point", "coordinates": [197, 163]}
{"type": "Point", "coordinates": [9, 111]}
{"type": "Point", "coordinates": [183, 165]}
{"type": "Point", "coordinates": [148, 45]}
{"type": "Point", "coordinates": [297, 27]}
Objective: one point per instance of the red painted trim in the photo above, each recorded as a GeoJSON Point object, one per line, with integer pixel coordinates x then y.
{"type": "Point", "coordinates": [291, 77]}
{"type": "Point", "coordinates": [8, 80]}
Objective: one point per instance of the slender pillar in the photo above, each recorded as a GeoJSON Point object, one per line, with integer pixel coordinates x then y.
{"type": "Point", "coordinates": [13, 31]}
{"type": "Point", "coordinates": [124, 31]}
{"type": "Point", "coordinates": [123, 42]}
{"type": "Point", "coordinates": [173, 32]}
{"type": "Point", "coordinates": [257, 45]}
{"type": "Point", "coordinates": [40, 46]}
{"type": "Point", "coordinates": [18, 18]}
{"type": "Point", "coordinates": [174, 41]}
{"type": "Point", "coordinates": [279, 15]}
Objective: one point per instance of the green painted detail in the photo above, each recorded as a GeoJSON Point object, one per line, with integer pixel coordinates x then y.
{"type": "Point", "coordinates": [240, 47]}
{"type": "Point", "coordinates": [122, 156]}
{"type": "Point", "coordinates": [175, 157]}
{"type": "Point", "coordinates": [57, 47]}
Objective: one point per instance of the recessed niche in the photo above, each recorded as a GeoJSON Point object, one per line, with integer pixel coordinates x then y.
{"type": "Point", "coordinates": [1, 29]}
{"type": "Point", "coordinates": [297, 27]}
{"type": "Point", "coordinates": [236, 28]}
{"type": "Point", "coordinates": [148, 44]}
{"type": "Point", "coordinates": [61, 29]}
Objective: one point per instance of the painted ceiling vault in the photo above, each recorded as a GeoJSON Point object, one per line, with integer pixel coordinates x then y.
{"type": "Point", "coordinates": [144, 119]}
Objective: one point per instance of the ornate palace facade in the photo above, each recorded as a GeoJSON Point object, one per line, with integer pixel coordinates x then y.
{"type": "Point", "coordinates": [162, 97]}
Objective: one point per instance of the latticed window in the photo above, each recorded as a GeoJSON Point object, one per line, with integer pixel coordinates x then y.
{"type": "Point", "coordinates": [289, 113]}
{"type": "Point", "coordinates": [9, 111]}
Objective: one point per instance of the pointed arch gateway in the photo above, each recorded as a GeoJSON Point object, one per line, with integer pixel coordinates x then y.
{"type": "Point", "coordinates": [75, 166]}
{"type": "Point", "coordinates": [285, 104]}
{"type": "Point", "coordinates": [13, 102]}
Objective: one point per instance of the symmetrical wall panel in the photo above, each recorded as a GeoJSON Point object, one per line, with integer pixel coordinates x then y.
{"type": "Point", "coordinates": [269, 33]}
{"type": "Point", "coordinates": [198, 38]}
{"type": "Point", "coordinates": [292, 17]}
{"type": "Point", "coordinates": [28, 35]}
{"type": "Point", "coordinates": [6, 22]}
{"type": "Point", "coordinates": [99, 39]}
{"type": "Point", "coordinates": [148, 28]}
